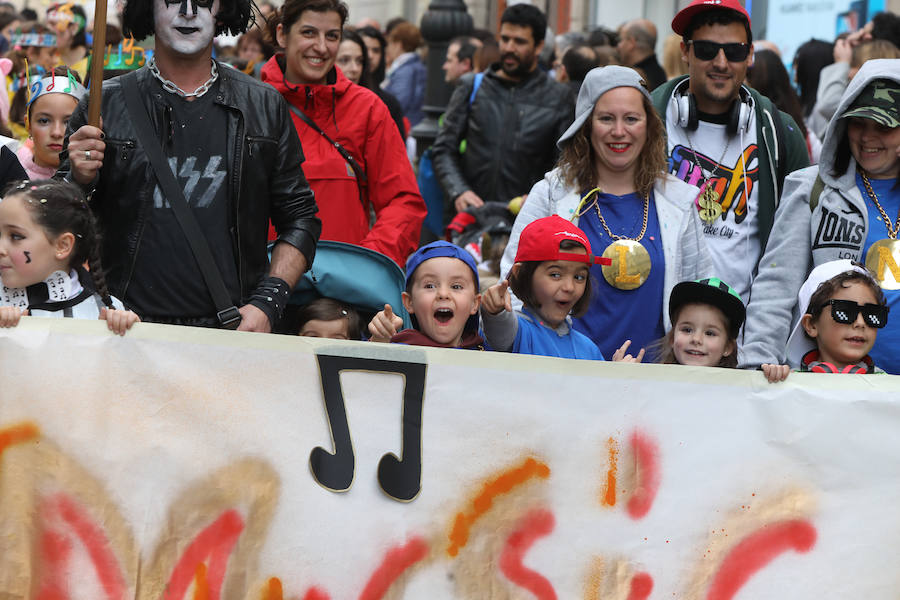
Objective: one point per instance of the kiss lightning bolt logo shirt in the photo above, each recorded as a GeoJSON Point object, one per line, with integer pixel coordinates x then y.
{"type": "Point", "coordinates": [733, 238]}
{"type": "Point", "coordinates": [167, 280]}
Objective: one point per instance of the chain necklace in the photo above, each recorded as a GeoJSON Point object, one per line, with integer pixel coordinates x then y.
{"type": "Point", "coordinates": [892, 230]}
{"type": "Point", "coordinates": [710, 209]}
{"type": "Point", "coordinates": [630, 263]}
{"type": "Point", "coordinates": [697, 160]}
{"type": "Point", "coordinates": [596, 204]}
{"type": "Point", "coordinates": [174, 89]}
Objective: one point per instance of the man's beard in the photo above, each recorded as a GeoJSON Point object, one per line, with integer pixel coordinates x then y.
{"type": "Point", "coordinates": [521, 69]}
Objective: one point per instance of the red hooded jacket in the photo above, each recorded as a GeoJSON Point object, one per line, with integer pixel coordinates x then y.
{"type": "Point", "coordinates": [356, 118]}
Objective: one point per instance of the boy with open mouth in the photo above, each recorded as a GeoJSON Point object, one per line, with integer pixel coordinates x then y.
{"type": "Point", "coordinates": [442, 298]}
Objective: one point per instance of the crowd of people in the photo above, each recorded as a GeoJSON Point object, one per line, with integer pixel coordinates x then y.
{"type": "Point", "coordinates": [711, 209]}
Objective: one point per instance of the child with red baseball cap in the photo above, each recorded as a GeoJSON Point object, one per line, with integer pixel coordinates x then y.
{"type": "Point", "coordinates": [551, 277]}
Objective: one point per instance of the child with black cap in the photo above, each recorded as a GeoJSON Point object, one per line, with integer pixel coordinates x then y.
{"type": "Point", "coordinates": [441, 297]}
{"type": "Point", "coordinates": [707, 316]}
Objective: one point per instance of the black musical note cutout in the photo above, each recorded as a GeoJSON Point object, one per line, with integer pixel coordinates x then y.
{"type": "Point", "coordinates": [400, 478]}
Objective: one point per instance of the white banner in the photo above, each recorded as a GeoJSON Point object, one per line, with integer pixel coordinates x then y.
{"type": "Point", "coordinates": [182, 463]}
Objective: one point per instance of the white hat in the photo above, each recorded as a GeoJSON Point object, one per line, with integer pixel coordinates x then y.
{"type": "Point", "coordinates": [799, 344]}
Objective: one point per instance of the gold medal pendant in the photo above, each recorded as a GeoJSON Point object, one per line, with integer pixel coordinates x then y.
{"type": "Point", "coordinates": [630, 266]}
{"type": "Point", "coordinates": [710, 209]}
{"type": "Point", "coordinates": [883, 260]}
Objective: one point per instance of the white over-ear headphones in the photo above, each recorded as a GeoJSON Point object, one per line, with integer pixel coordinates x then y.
{"type": "Point", "coordinates": [688, 117]}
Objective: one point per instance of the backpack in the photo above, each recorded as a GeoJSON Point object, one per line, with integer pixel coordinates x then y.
{"type": "Point", "coordinates": [429, 186]}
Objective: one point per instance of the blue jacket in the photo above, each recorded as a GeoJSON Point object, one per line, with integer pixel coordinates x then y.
{"type": "Point", "coordinates": [407, 83]}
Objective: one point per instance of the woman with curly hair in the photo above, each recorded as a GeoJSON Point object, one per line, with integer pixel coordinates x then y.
{"type": "Point", "coordinates": [611, 181]}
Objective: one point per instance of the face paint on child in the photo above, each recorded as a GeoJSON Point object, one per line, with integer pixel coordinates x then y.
{"type": "Point", "coordinates": [27, 256]}
{"type": "Point", "coordinates": [185, 26]}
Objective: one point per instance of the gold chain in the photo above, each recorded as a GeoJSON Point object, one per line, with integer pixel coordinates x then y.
{"type": "Point", "coordinates": [892, 230]}
{"type": "Point", "coordinates": [596, 204]}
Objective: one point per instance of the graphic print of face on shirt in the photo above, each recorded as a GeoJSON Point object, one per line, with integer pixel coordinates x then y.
{"type": "Point", "coordinates": [185, 26]}
{"type": "Point", "coordinates": [729, 181]}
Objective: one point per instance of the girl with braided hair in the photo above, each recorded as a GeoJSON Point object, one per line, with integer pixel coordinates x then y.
{"type": "Point", "coordinates": [47, 234]}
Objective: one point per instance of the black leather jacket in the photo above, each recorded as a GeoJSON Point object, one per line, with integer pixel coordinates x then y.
{"type": "Point", "coordinates": [510, 130]}
{"type": "Point", "coordinates": [265, 177]}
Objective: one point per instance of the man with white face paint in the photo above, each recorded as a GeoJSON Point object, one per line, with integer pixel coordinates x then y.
{"type": "Point", "coordinates": [184, 26]}
{"type": "Point", "coordinates": [229, 141]}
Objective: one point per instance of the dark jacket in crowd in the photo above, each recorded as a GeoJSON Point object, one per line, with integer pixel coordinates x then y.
{"type": "Point", "coordinates": [653, 71]}
{"type": "Point", "coordinates": [265, 179]}
{"type": "Point", "coordinates": [510, 130]}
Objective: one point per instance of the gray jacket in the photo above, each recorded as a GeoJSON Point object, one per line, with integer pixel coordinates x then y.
{"type": "Point", "coordinates": [681, 230]}
{"type": "Point", "coordinates": [807, 234]}
{"type": "Point", "coordinates": [832, 84]}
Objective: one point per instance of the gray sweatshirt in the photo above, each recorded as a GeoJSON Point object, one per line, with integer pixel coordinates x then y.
{"type": "Point", "coordinates": [807, 234]}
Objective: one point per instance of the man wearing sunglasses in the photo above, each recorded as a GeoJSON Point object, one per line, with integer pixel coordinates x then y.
{"type": "Point", "coordinates": [192, 161]}
{"type": "Point", "coordinates": [728, 140]}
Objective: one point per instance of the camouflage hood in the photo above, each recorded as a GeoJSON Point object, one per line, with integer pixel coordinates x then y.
{"type": "Point", "coordinates": [874, 94]}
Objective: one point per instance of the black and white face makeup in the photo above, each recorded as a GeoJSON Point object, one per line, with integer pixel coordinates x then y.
{"type": "Point", "coordinates": [185, 26]}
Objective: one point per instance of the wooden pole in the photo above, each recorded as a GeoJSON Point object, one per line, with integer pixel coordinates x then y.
{"type": "Point", "coordinates": [95, 99]}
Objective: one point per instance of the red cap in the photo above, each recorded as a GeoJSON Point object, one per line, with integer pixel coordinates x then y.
{"type": "Point", "coordinates": [683, 18]}
{"type": "Point", "coordinates": [540, 241]}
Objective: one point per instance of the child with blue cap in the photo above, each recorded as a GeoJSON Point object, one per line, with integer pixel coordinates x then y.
{"type": "Point", "coordinates": [442, 297]}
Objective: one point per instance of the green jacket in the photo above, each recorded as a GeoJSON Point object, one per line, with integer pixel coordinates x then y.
{"type": "Point", "coordinates": [782, 149]}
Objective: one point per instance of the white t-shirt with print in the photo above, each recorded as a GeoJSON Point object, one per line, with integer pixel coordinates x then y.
{"type": "Point", "coordinates": [729, 162]}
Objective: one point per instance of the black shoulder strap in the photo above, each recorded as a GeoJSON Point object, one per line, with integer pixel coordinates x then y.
{"type": "Point", "coordinates": [358, 171]}
{"type": "Point", "coordinates": [227, 313]}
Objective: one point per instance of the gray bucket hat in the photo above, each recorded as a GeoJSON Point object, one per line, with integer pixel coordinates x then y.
{"type": "Point", "coordinates": [597, 82]}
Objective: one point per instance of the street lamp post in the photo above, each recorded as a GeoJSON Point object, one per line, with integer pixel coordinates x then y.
{"type": "Point", "coordinates": [443, 21]}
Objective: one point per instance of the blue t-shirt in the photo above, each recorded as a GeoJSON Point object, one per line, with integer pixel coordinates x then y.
{"type": "Point", "coordinates": [617, 315]}
{"type": "Point", "coordinates": [533, 337]}
{"type": "Point", "coordinates": [886, 352]}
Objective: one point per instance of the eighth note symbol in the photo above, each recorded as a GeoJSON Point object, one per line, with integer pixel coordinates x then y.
{"type": "Point", "coordinates": [400, 478]}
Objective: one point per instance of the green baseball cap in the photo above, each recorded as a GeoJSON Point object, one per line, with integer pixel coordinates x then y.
{"type": "Point", "coordinates": [878, 101]}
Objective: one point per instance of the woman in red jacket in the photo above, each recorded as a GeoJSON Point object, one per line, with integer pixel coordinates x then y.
{"type": "Point", "coordinates": [370, 173]}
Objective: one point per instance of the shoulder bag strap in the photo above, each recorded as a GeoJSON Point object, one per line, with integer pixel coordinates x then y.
{"type": "Point", "coordinates": [817, 189]}
{"type": "Point", "coordinates": [358, 171]}
{"type": "Point", "coordinates": [227, 313]}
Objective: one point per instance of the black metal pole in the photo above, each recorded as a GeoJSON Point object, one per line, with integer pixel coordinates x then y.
{"type": "Point", "coordinates": [443, 21]}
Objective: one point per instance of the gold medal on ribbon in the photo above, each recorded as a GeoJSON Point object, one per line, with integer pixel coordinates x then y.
{"type": "Point", "coordinates": [883, 260]}
{"type": "Point", "coordinates": [630, 266]}
{"type": "Point", "coordinates": [710, 209]}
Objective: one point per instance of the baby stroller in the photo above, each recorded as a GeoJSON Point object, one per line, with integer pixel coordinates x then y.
{"type": "Point", "coordinates": [362, 278]}
{"type": "Point", "coordinates": [484, 232]}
